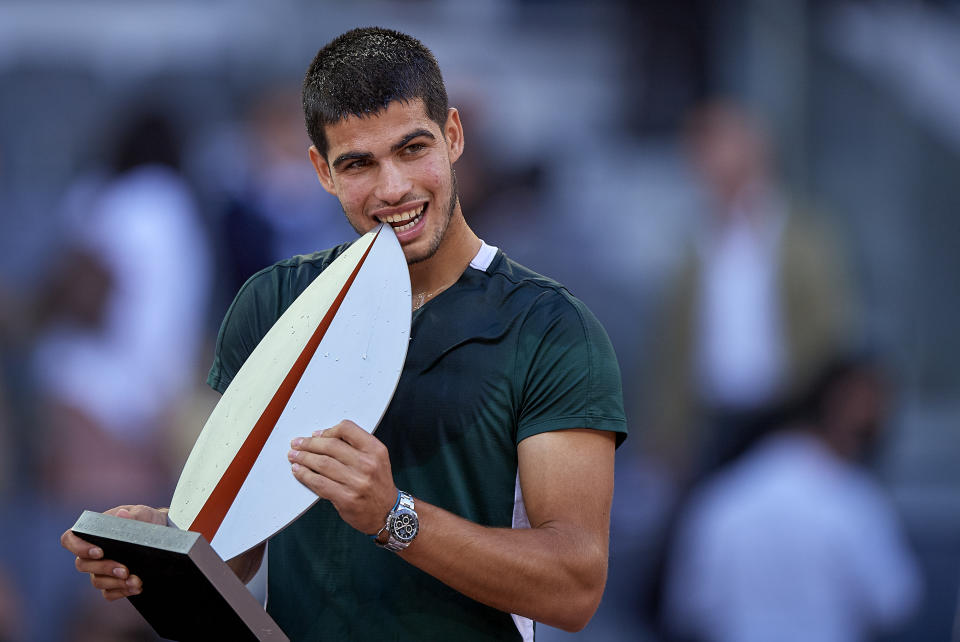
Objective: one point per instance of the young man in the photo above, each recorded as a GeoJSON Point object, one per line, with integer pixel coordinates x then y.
{"type": "Point", "coordinates": [499, 442]}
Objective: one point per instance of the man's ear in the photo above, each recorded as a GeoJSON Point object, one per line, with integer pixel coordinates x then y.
{"type": "Point", "coordinates": [453, 134]}
{"type": "Point", "coordinates": [322, 168]}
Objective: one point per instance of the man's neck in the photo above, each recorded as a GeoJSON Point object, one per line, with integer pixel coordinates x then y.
{"type": "Point", "coordinates": [441, 270]}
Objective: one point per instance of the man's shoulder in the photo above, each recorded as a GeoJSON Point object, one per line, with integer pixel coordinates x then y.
{"type": "Point", "coordinates": [543, 297]}
{"type": "Point", "coordinates": [560, 346]}
{"type": "Point", "coordinates": [506, 268]}
{"type": "Point", "coordinates": [307, 264]}
{"type": "Point", "coordinates": [290, 276]}
{"type": "Point", "coordinates": [547, 309]}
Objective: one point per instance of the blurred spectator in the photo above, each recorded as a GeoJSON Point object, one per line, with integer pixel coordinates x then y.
{"type": "Point", "coordinates": [274, 209]}
{"type": "Point", "coordinates": [759, 303]}
{"type": "Point", "coordinates": [796, 541]}
{"type": "Point", "coordinates": [124, 313]}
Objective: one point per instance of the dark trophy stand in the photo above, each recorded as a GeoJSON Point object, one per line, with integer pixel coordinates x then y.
{"type": "Point", "coordinates": [189, 592]}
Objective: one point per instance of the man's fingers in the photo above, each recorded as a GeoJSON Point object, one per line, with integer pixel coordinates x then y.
{"type": "Point", "coordinates": [322, 486]}
{"type": "Point", "coordinates": [350, 433]}
{"type": "Point", "coordinates": [140, 513]}
{"type": "Point", "coordinates": [118, 594]}
{"type": "Point", "coordinates": [325, 465]}
{"type": "Point", "coordinates": [114, 580]}
{"type": "Point", "coordinates": [337, 461]}
{"type": "Point", "coordinates": [348, 444]}
{"type": "Point", "coordinates": [80, 547]}
{"type": "Point", "coordinates": [102, 567]}
{"type": "Point", "coordinates": [349, 467]}
{"type": "Point", "coordinates": [129, 586]}
{"type": "Point", "coordinates": [126, 508]}
{"type": "Point", "coordinates": [331, 447]}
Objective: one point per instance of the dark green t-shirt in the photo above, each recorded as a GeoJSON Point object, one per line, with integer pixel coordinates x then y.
{"type": "Point", "coordinates": [501, 355]}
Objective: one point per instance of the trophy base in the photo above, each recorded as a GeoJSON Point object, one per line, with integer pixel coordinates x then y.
{"type": "Point", "coordinates": [189, 592]}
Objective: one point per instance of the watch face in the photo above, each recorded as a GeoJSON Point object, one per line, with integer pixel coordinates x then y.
{"type": "Point", "coordinates": [405, 525]}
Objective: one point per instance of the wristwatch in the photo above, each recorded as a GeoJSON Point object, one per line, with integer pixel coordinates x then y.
{"type": "Point", "coordinates": [401, 527]}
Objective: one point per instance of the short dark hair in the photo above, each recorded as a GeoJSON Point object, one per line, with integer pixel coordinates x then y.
{"type": "Point", "coordinates": [360, 72]}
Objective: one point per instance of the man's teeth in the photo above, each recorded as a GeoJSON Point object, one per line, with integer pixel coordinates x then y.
{"type": "Point", "coordinates": [407, 226]}
{"type": "Point", "coordinates": [405, 219]}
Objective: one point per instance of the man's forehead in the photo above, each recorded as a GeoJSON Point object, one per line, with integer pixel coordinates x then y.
{"type": "Point", "coordinates": [380, 129]}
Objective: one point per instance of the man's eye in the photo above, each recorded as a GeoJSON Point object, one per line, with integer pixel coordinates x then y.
{"type": "Point", "coordinates": [414, 148]}
{"type": "Point", "coordinates": [357, 164]}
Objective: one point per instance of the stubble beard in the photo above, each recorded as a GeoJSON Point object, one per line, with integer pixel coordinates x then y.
{"type": "Point", "coordinates": [441, 232]}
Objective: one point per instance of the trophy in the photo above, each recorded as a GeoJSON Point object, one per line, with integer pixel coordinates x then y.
{"type": "Point", "coordinates": [337, 352]}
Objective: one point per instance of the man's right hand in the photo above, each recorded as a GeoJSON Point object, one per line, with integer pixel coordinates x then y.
{"type": "Point", "coordinates": [111, 578]}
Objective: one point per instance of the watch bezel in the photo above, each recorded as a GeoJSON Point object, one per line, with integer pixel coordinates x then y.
{"type": "Point", "coordinates": [394, 528]}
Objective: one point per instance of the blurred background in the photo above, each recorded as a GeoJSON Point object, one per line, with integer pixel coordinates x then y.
{"type": "Point", "coordinates": [758, 199]}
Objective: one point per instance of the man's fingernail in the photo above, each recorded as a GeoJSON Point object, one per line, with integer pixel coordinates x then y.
{"type": "Point", "coordinates": [295, 467]}
{"type": "Point", "coordinates": [133, 583]}
{"type": "Point", "coordinates": [120, 572]}
{"type": "Point", "coordinates": [292, 455]}
{"type": "Point", "coordinates": [318, 433]}
{"type": "Point", "coordinates": [95, 552]}
{"type": "Point", "coordinates": [297, 442]}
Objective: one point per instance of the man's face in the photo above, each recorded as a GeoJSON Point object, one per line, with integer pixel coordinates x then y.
{"type": "Point", "coordinates": [395, 167]}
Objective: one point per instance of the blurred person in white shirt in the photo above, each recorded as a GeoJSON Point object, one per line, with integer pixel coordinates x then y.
{"type": "Point", "coordinates": [760, 298]}
{"type": "Point", "coordinates": [126, 320]}
{"type": "Point", "coordinates": [796, 541]}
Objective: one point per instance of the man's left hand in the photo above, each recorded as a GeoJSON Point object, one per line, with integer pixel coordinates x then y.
{"type": "Point", "coordinates": [350, 467]}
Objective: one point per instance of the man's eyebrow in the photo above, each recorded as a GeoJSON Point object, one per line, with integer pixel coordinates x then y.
{"type": "Point", "coordinates": [417, 133]}
{"type": "Point", "coordinates": [349, 156]}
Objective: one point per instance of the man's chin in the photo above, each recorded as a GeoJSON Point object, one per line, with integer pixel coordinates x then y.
{"type": "Point", "coordinates": [420, 257]}
{"type": "Point", "coordinates": [416, 255]}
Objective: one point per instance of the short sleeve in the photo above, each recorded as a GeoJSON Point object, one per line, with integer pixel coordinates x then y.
{"type": "Point", "coordinates": [568, 372]}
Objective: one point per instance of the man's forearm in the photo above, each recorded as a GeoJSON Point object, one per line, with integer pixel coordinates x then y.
{"type": "Point", "coordinates": [246, 565]}
{"type": "Point", "coordinates": [554, 573]}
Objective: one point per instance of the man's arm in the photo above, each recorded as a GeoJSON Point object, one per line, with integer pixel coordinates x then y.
{"type": "Point", "coordinates": [553, 572]}
{"type": "Point", "coordinates": [246, 565]}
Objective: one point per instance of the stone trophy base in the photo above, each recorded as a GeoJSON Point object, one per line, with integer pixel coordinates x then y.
{"type": "Point", "coordinates": [189, 592]}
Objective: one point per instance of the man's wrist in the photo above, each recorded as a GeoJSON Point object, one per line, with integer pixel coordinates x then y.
{"type": "Point", "coordinates": [386, 519]}
{"type": "Point", "coordinates": [401, 525]}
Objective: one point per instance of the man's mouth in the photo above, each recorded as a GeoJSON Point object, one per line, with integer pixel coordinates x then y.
{"type": "Point", "coordinates": [405, 220]}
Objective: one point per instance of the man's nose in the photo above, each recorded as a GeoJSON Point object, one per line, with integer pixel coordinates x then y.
{"type": "Point", "coordinates": [392, 184]}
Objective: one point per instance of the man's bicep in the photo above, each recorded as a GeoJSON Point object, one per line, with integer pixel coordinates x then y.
{"type": "Point", "coordinates": [566, 477]}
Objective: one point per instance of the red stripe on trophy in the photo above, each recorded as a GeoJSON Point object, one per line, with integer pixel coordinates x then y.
{"type": "Point", "coordinates": [214, 510]}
